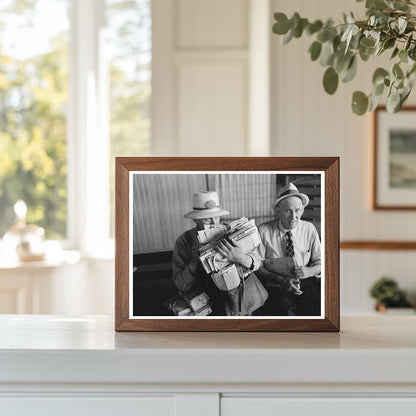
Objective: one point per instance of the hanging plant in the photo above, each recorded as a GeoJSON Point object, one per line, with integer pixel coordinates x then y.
{"type": "Point", "coordinates": [389, 27]}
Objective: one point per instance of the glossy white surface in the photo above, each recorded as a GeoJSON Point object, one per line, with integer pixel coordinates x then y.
{"type": "Point", "coordinates": [49, 349]}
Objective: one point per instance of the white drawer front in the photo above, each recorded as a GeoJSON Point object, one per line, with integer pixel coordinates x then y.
{"type": "Point", "coordinates": [87, 406]}
{"type": "Point", "coordinates": [272, 406]}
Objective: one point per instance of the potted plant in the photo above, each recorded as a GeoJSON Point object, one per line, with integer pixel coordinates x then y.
{"type": "Point", "coordinates": [387, 294]}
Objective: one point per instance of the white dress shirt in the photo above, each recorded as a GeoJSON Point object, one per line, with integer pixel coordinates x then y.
{"type": "Point", "coordinates": [306, 243]}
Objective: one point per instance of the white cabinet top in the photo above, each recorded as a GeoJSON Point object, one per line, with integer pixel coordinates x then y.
{"type": "Point", "coordinates": [46, 349]}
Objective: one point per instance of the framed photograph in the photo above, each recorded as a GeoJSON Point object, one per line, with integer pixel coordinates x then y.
{"type": "Point", "coordinates": [395, 159]}
{"type": "Point", "coordinates": [227, 244]}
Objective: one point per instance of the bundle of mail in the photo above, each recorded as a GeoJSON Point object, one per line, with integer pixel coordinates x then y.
{"type": "Point", "coordinates": [192, 303]}
{"type": "Point", "coordinates": [241, 232]}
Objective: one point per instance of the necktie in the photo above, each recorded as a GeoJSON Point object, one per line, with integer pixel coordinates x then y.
{"type": "Point", "coordinates": [290, 252]}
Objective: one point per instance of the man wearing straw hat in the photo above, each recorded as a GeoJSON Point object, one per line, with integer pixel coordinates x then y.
{"type": "Point", "coordinates": [188, 272]}
{"type": "Point", "coordinates": [291, 251]}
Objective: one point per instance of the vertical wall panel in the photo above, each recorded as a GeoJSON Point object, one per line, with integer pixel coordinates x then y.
{"type": "Point", "coordinates": [212, 24]}
{"type": "Point", "coordinates": [201, 67]}
{"type": "Point", "coordinates": [212, 108]}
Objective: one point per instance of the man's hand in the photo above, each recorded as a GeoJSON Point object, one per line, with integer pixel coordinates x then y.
{"type": "Point", "coordinates": [234, 253]}
{"type": "Point", "coordinates": [292, 286]}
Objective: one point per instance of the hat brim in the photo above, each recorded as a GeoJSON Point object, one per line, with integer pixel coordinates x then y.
{"type": "Point", "coordinates": [206, 213]}
{"type": "Point", "coordinates": [304, 198]}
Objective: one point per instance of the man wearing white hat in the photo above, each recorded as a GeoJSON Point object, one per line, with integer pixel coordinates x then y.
{"type": "Point", "coordinates": [188, 272]}
{"type": "Point", "coordinates": [285, 238]}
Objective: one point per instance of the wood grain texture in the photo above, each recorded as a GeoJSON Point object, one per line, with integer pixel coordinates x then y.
{"type": "Point", "coordinates": [378, 245]}
{"type": "Point", "coordinates": [329, 165]}
{"type": "Point", "coordinates": [121, 244]}
{"type": "Point", "coordinates": [332, 288]}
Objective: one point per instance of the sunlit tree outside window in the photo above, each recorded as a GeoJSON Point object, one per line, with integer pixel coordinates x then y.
{"type": "Point", "coordinates": [129, 44]}
{"type": "Point", "coordinates": [34, 92]}
{"type": "Point", "coordinates": [34, 41]}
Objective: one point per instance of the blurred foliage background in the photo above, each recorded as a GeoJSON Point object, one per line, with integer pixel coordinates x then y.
{"type": "Point", "coordinates": [34, 92]}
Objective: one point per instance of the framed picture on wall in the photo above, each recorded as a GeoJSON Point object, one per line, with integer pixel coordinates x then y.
{"type": "Point", "coordinates": [227, 244]}
{"type": "Point", "coordinates": [394, 179]}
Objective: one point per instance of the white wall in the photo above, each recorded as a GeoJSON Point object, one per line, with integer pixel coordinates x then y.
{"type": "Point", "coordinates": [203, 79]}
{"type": "Point", "coordinates": [308, 122]}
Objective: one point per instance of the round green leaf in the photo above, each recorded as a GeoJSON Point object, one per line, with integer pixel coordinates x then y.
{"type": "Point", "coordinates": [351, 71]}
{"type": "Point", "coordinates": [403, 97]}
{"type": "Point", "coordinates": [315, 50]}
{"type": "Point", "coordinates": [365, 53]}
{"type": "Point", "coordinates": [330, 80]}
{"type": "Point", "coordinates": [367, 42]}
{"type": "Point", "coordinates": [294, 20]}
{"type": "Point", "coordinates": [408, 42]}
{"type": "Point", "coordinates": [322, 36]}
{"type": "Point", "coordinates": [314, 27]}
{"type": "Point", "coordinates": [288, 37]}
{"type": "Point", "coordinates": [397, 71]}
{"type": "Point", "coordinates": [327, 54]}
{"type": "Point", "coordinates": [298, 30]}
{"type": "Point", "coordinates": [395, 52]}
{"type": "Point", "coordinates": [403, 55]}
{"type": "Point", "coordinates": [359, 103]}
{"type": "Point", "coordinates": [389, 43]}
{"type": "Point", "coordinates": [281, 26]}
{"type": "Point", "coordinates": [379, 75]}
{"type": "Point", "coordinates": [342, 61]}
{"type": "Point", "coordinates": [374, 102]}
{"type": "Point", "coordinates": [393, 101]}
{"type": "Point", "coordinates": [378, 90]}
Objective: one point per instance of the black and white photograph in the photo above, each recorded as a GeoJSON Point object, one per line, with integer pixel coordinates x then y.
{"type": "Point", "coordinates": [227, 244]}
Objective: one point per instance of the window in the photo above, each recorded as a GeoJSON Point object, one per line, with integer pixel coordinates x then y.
{"type": "Point", "coordinates": [75, 86]}
{"type": "Point", "coordinates": [129, 46]}
{"type": "Point", "coordinates": [33, 98]}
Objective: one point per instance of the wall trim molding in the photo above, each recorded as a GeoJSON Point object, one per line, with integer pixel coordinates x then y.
{"type": "Point", "coordinates": [377, 245]}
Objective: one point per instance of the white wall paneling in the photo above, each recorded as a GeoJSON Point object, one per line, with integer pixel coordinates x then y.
{"type": "Point", "coordinates": [214, 72]}
{"type": "Point", "coordinates": [270, 406]}
{"type": "Point", "coordinates": [212, 24]}
{"type": "Point", "coordinates": [212, 103]}
{"type": "Point", "coordinates": [91, 405]}
{"type": "Point", "coordinates": [360, 269]}
{"type": "Point", "coordinates": [308, 122]}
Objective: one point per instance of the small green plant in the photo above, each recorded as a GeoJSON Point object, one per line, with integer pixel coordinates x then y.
{"type": "Point", "coordinates": [389, 26]}
{"type": "Point", "coordinates": [386, 292]}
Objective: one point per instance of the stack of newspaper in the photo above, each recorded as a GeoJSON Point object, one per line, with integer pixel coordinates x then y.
{"type": "Point", "coordinates": [241, 232]}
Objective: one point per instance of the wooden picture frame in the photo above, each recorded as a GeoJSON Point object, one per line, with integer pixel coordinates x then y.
{"type": "Point", "coordinates": [394, 159]}
{"type": "Point", "coordinates": [139, 205]}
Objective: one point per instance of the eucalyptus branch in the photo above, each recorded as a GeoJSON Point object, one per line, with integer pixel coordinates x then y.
{"type": "Point", "coordinates": [389, 25]}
